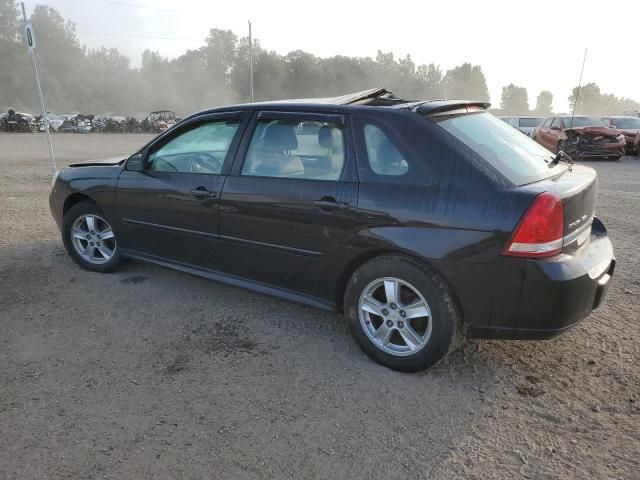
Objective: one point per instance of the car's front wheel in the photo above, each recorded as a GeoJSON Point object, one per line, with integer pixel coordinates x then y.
{"type": "Point", "coordinates": [402, 313]}
{"type": "Point", "coordinates": [90, 239]}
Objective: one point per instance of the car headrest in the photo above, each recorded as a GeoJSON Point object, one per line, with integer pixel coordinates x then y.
{"type": "Point", "coordinates": [330, 137]}
{"type": "Point", "coordinates": [387, 153]}
{"type": "Point", "coordinates": [279, 137]}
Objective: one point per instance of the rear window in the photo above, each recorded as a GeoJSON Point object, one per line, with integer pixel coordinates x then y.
{"type": "Point", "coordinates": [530, 122]}
{"type": "Point", "coordinates": [626, 122]}
{"type": "Point", "coordinates": [513, 154]}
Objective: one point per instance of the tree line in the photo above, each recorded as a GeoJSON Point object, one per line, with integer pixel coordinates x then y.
{"type": "Point", "coordinates": [590, 100]}
{"type": "Point", "coordinates": [103, 80]}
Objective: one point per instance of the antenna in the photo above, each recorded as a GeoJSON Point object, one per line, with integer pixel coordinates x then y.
{"type": "Point", "coordinates": [250, 65]}
{"type": "Point", "coordinates": [575, 101]}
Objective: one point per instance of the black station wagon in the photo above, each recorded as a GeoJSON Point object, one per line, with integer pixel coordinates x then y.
{"type": "Point", "coordinates": [421, 221]}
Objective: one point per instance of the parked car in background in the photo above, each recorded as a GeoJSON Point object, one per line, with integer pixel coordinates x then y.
{"type": "Point", "coordinates": [630, 128]}
{"type": "Point", "coordinates": [580, 137]}
{"type": "Point", "coordinates": [345, 204]}
{"type": "Point", "coordinates": [526, 124]}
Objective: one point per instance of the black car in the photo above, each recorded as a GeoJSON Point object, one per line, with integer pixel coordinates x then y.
{"type": "Point", "coordinates": [421, 221]}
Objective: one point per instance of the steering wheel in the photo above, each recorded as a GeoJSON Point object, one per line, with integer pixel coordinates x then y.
{"type": "Point", "coordinates": [204, 162]}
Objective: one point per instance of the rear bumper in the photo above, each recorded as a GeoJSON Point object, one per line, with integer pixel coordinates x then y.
{"type": "Point", "coordinates": [555, 294]}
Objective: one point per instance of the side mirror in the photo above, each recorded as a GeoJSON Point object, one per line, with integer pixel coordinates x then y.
{"type": "Point", "coordinates": [135, 163]}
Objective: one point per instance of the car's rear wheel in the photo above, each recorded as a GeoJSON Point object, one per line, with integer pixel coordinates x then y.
{"type": "Point", "coordinates": [90, 239]}
{"type": "Point", "coordinates": [401, 313]}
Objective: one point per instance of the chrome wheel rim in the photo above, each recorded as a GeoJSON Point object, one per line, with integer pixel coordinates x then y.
{"type": "Point", "coordinates": [395, 316]}
{"type": "Point", "coordinates": [93, 239]}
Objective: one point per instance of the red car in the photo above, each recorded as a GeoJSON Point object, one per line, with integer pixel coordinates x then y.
{"type": "Point", "coordinates": [630, 127]}
{"type": "Point", "coordinates": [580, 137]}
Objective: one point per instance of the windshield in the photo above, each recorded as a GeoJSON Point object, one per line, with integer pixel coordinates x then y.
{"type": "Point", "coordinates": [530, 122]}
{"type": "Point", "coordinates": [513, 154]}
{"type": "Point", "coordinates": [583, 122]}
{"type": "Point", "coordinates": [631, 122]}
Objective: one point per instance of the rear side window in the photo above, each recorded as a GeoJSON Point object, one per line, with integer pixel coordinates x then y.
{"type": "Point", "coordinates": [296, 149]}
{"type": "Point", "coordinates": [384, 157]}
{"type": "Point", "coordinates": [516, 156]}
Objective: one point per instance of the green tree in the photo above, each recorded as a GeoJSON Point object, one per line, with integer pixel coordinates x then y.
{"type": "Point", "coordinates": [14, 61]}
{"type": "Point", "coordinates": [544, 103]}
{"type": "Point", "coordinates": [431, 82]}
{"type": "Point", "coordinates": [466, 81]}
{"type": "Point", "coordinates": [515, 100]}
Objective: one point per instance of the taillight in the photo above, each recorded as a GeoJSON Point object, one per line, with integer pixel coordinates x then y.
{"type": "Point", "coordinates": [539, 234]}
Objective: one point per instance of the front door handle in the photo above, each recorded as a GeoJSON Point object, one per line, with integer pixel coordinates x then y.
{"type": "Point", "coordinates": [202, 192]}
{"type": "Point", "coordinates": [328, 203]}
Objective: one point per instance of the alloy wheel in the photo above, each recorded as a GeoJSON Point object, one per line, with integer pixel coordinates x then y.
{"type": "Point", "coordinates": [395, 316]}
{"type": "Point", "coordinates": [93, 239]}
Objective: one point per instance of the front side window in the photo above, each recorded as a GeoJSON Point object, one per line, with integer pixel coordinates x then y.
{"type": "Point", "coordinates": [292, 148]}
{"type": "Point", "coordinates": [555, 123]}
{"type": "Point", "coordinates": [199, 150]}
{"type": "Point", "coordinates": [383, 156]}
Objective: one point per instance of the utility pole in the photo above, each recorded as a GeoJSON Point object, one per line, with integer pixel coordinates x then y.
{"type": "Point", "coordinates": [250, 64]}
{"type": "Point", "coordinates": [31, 43]}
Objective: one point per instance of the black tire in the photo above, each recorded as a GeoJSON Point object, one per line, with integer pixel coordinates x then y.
{"type": "Point", "coordinates": [615, 159]}
{"type": "Point", "coordinates": [74, 213]}
{"type": "Point", "coordinates": [445, 318]}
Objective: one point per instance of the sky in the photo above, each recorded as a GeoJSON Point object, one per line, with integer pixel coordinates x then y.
{"type": "Point", "coordinates": [538, 45]}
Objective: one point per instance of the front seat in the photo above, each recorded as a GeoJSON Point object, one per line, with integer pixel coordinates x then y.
{"type": "Point", "coordinates": [273, 157]}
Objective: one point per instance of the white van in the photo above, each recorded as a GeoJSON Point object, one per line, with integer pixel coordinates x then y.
{"type": "Point", "coordinates": [524, 124]}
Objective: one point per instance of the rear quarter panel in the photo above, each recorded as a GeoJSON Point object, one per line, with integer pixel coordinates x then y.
{"type": "Point", "coordinates": [458, 221]}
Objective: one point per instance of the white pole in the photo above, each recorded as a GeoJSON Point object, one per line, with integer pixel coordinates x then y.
{"type": "Point", "coordinates": [39, 88]}
{"type": "Point", "coordinates": [250, 64]}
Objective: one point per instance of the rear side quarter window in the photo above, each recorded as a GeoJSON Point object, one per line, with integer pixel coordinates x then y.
{"type": "Point", "coordinates": [383, 158]}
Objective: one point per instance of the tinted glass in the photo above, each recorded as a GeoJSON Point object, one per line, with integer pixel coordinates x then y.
{"type": "Point", "coordinates": [516, 156]}
{"type": "Point", "coordinates": [384, 158]}
{"type": "Point", "coordinates": [530, 122]}
{"type": "Point", "coordinates": [583, 122]}
{"type": "Point", "coordinates": [297, 149]}
{"type": "Point", "coordinates": [199, 150]}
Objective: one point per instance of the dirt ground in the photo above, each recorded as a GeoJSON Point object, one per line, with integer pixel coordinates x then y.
{"type": "Point", "coordinates": [149, 372]}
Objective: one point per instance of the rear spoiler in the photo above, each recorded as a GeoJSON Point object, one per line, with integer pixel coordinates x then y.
{"type": "Point", "coordinates": [439, 106]}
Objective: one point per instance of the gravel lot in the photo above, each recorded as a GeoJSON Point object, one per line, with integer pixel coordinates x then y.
{"type": "Point", "coordinates": [149, 372]}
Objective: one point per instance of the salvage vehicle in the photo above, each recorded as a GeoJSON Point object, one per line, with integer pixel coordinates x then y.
{"type": "Point", "coordinates": [525, 124]}
{"type": "Point", "coordinates": [162, 120]}
{"type": "Point", "coordinates": [580, 137]}
{"type": "Point", "coordinates": [630, 128]}
{"type": "Point", "coordinates": [422, 221]}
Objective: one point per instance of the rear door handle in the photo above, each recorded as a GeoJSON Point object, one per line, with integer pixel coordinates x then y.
{"type": "Point", "coordinates": [202, 192]}
{"type": "Point", "coordinates": [330, 204]}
